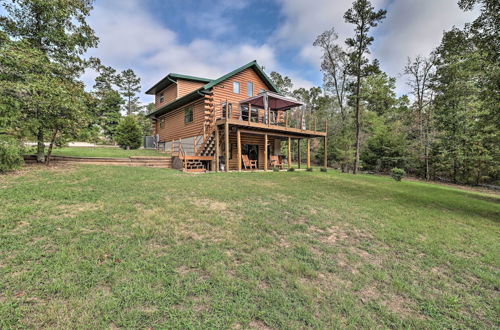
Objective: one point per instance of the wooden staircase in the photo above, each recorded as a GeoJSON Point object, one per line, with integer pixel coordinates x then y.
{"type": "Point", "coordinates": [205, 152]}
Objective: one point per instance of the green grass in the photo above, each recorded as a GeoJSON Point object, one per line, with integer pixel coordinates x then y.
{"type": "Point", "coordinates": [104, 152]}
{"type": "Point", "coordinates": [100, 247]}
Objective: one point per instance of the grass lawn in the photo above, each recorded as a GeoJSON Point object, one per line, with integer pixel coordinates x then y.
{"type": "Point", "coordinates": [104, 152]}
{"type": "Point", "coordinates": [105, 247]}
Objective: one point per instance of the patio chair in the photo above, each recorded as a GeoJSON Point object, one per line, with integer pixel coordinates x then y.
{"type": "Point", "coordinates": [275, 162]}
{"type": "Point", "coordinates": [247, 163]}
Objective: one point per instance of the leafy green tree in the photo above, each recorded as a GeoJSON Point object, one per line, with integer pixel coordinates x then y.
{"type": "Point", "coordinates": [56, 30]}
{"type": "Point", "coordinates": [130, 85]}
{"type": "Point", "coordinates": [420, 72]}
{"type": "Point", "coordinates": [284, 84]}
{"type": "Point", "coordinates": [129, 133]}
{"type": "Point", "coordinates": [108, 102]}
{"type": "Point", "coordinates": [468, 139]}
{"type": "Point", "coordinates": [335, 68]}
{"type": "Point", "coordinates": [363, 16]}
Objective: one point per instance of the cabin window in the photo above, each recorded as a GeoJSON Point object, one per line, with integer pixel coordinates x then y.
{"type": "Point", "coordinates": [162, 97]}
{"type": "Point", "coordinates": [250, 88]}
{"type": "Point", "coordinates": [162, 123]}
{"type": "Point", "coordinates": [188, 115]}
{"type": "Point", "coordinates": [236, 87]}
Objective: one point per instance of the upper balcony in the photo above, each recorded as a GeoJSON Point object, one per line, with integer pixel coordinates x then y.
{"type": "Point", "coordinates": [269, 112]}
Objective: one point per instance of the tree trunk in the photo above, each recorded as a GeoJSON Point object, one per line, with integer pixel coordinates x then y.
{"type": "Point", "coordinates": [358, 128]}
{"type": "Point", "coordinates": [40, 148]}
{"type": "Point", "coordinates": [49, 152]}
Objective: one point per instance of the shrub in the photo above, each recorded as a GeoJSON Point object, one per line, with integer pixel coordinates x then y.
{"type": "Point", "coordinates": [323, 169]}
{"type": "Point", "coordinates": [129, 133]}
{"type": "Point", "coordinates": [397, 173]}
{"type": "Point", "coordinates": [11, 157]}
{"type": "Point", "coordinates": [309, 169]}
{"type": "Point", "coordinates": [275, 169]}
{"type": "Point", "coordinates": [291, 169]}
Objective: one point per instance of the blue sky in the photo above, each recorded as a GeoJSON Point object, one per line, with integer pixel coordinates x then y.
{"type": "Point", "coordinates": [210, 38]}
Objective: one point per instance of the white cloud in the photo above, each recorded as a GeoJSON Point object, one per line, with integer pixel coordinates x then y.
{"type": "Point", "coordinates": [411, 27]}
{"type": "Point", "coordinates": [130, 37]}
{"type": "Point", "coordinates": [415, 27]}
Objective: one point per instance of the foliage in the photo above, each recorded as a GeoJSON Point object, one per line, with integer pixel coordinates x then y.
{"type": "Point", "coordinates": [386, 146]}
{"type": "Point", "coordinates": [129, 133]}
{"type": "Point", "coordinates": [45, 40]}
{"type": "Point", "coordinates": [130, 85]}
{"type": "Point", "coordinates": [45, 101]}
{"type": "Point", "coordinates": [323, 169]}
{"type": "Point", "coordinates": [108, 102]}
{"type": "Point", "coordinates": [11, 157]}
{"type": "Point", "coordinates": [291, 169]}
{"type": "Point", "coordinates": [276, 169]}
{"type": "Point", "coordinates": [363, 16]}
{"type": "Point", "coordinates": [397, 173]}
{"type": "Point", "coordinates": [284, 84]}
{"type": "Point", "coordinates": [309, 169]}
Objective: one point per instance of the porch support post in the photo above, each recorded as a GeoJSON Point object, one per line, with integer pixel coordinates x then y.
{"type": "Point", "coordinates": [289, 152]}
{"type": "Point", "coordinates": [217, 148]}
{"type": "Point", "coordinates": [308, 152]}
{"type": "Point", "coordinates": [265, 152]}
{"type": "Point", "coordinates": [249, 113]}
{"type": "Point", "coordinates": [238, 159]}
{"type": "Point", "coordinates": [325, 160]}
{"type": "Point", "coordinates": [299, 160]}
{"type": "Point", "coordinates": [226, 137]}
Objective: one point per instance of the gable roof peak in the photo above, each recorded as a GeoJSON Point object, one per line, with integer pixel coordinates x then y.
{"type": "Point", "coordinates": [253, 64]}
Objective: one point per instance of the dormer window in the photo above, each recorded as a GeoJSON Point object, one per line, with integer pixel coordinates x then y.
{"type": "Point", "coordinates": [162, 97]}
{"type": "Point", "coordinates": [236, 87]}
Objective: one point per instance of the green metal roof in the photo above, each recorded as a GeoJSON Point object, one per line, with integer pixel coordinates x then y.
{"type": "Point", "coordinates": [205, 89]}
{"type": "Point", "coordinates": [253, 64]}
{"type": "Point", "coordinates": [186, 77]}
{"type": "Point", "coordinates": [168, 80]}
{"type": "Point", "coordinates": [199, 93]}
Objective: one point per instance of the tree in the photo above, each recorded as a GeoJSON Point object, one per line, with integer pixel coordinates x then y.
{"type": "Point", "coordinates": [334, 65]}
{"type": "Point", "coordinates": [420, 73]}
{"type": "Point", "coordinates": [129, 133]}
{"type": "Point", "coordinates": [108, 102]}
{"type": "Point", "coordinates": [58, 31]}
{"type": "Point", "coordinates": [284, 84]}
{"type": "Point", "coordinates": [130, 85]}
{"type": "Point", "coordinates": [364, 17]}
{"type": "Point", "coordinates": [466, 118]}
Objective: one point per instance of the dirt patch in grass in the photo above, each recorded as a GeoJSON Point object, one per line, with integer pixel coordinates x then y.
{"type": "Point", "coordinates": [259, 325]}
{"type": "Point", "coordinates": [396, 304]}
{"type": "Point", "coordinates": [73, 210]}
{"type": "Point", "coordinates": [210, 204]}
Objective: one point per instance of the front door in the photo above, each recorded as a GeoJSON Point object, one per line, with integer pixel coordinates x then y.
{"type": "Point", "coordinates": [252, 150]}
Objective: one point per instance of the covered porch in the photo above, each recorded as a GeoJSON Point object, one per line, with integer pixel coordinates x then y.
{"type": "Point", "coordinates": [240, 144]}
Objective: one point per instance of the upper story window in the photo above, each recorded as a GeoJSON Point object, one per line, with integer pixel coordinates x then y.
{"type": "Point", "coordinates": [188, 115]}
{"type": "Point", "coordinates": [250, 88]}
{"type": "Point", "coordinates": [162, 97]}
{"type": "Point", "coordinates": [162, 122]}
{"type": "Point", "coordinates": [236, 87]}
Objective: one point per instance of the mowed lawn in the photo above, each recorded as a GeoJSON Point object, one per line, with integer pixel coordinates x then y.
{"type": "Point", "coordinates": [122, 247]}
{"type": "Point", "coordinates": [114, 152]}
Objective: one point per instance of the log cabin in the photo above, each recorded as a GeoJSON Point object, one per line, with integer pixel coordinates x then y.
{"type": "Point", "coordinates": [216, 124]}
